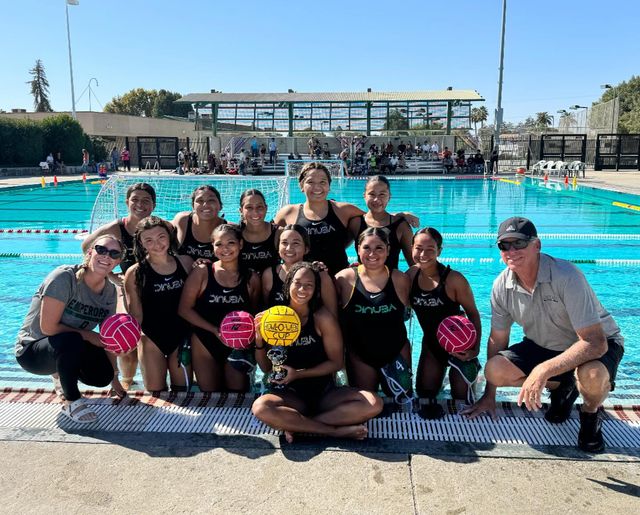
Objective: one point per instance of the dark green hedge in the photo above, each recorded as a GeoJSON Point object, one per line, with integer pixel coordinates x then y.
{"type": "Point", "coordinates": [28, 142]}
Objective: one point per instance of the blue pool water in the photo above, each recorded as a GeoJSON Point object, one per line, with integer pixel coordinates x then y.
{"type": "Point", "coordinates": [580, 224]}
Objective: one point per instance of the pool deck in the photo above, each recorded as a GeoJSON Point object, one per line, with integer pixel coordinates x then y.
{"type": "Point", "coordinates": [61, 468]}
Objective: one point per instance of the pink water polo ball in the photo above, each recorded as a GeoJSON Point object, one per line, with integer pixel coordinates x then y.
{"type": "Point", "coordinates": [456, 334]}
{"type": "Point", "coordinates": [120, 333]}
{"type": "Point", "coordinates": [238, 330]}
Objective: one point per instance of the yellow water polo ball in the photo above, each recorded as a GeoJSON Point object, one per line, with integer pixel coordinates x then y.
{"type": "Point", "coordinates": [280, 325]}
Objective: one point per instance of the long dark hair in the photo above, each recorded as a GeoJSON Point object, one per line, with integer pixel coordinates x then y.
{"type": "Point", "coordinates": [316, 299]}
{"type": "Point", "coordinates": [206, 187]}
{"type": "Point", "coordinates": [309, 167]}
{"type": "Point", "coordinates": [248, 193]}
{"type": "Point", "coordinates": [434, 233]}
{"type": "Point", "coordinates": [142, 186]}
{"type": "Point", "coordinates": [379, 232]}
{"type": "Point", "coordinates": [141, 254]}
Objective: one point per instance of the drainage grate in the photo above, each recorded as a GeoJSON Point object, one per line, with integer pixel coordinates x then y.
{"type": "Point", "coordinates": [223, 414]}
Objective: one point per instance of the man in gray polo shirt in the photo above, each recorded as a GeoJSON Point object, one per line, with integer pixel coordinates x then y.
{"type": "Point", "coordinates": [571, 344]}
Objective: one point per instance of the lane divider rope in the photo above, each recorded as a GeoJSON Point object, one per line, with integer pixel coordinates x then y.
{"type": "Point", "coordinates": [544, 236]}
{"type": "Point", "coordinates": [446, 235]}
{"type": "Point", "coordinates": [43, 231]}
{"type": "Point", "coordinates": [468, 260]}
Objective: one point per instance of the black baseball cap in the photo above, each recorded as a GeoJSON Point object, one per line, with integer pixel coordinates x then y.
{"type": "Point", "coordinates": [517, 227]}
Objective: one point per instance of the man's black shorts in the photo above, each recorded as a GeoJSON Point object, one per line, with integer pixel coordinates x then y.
{"type": "Point", "coordinates": [527, 354]}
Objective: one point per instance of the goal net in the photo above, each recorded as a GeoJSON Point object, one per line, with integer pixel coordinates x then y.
{"type": "Point", "coordinates": [173, 194]}
{"type": "Point", "coordinates": [292, 167]}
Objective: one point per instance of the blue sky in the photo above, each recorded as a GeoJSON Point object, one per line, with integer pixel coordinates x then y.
{"type": "Point", "coordinates": [558, 52]}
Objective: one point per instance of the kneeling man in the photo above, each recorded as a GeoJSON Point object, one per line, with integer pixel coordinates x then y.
{"type": "Point", "coordinates": [571, 343]}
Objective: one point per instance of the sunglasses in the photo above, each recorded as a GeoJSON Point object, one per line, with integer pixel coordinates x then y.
{"type": "Point", "coordinates": [518, 244]}
{"type": "Point", "coordinates": [103, 251]}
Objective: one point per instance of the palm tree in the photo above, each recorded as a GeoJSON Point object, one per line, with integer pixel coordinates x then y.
{"type": "Point", "coordinates": [40, 88]}
{"type": "Point", "coordinates": [543, 119]}
{"type": "Point", "coordinates": [479, 115]}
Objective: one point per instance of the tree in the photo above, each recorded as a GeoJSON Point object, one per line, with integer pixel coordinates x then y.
{"type": "Point", "coordinates": [148, 102]}
{"type": "Point", "coordinates": [137, 102]}
{"type": "Point", "coordinates": [40, 88]}
{"type": "Point", "coordinates": [543, 120]}
{"type": "Point", "coordinates": [479, 115]}
{"type": "Point", "coordinates": [163, 105]}
{"type": "Point", "coordinates": [395, 121]}
{"type": "Point", "coordinates": [628, 94]}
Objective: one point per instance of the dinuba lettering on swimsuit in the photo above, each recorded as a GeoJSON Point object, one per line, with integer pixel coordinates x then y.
{"type": "Point", "coordinates": [199, 251]}
{"type": "Point", "coordinates": [305, 340]}
{"type": "Point", "coordinates": [86, 311]}
{"type": "Point", "coordinates": [225, 299]}
{"type": "Point", "coordinates": [427, 302]}
{"type": "Point", "coordinates": [262, 254]}
{"type": "Point", "coordinates": [317, 230]}
{"type": "Point", "coordinates": [168, 286]}
{"type": "Point", "coordinates": [375, 310]}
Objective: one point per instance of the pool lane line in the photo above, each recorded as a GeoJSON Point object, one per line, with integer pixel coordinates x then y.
{"type": "Point", "coordinates": [446, 235]}
{"type": "Point", "coordinates": [546, 236]}
{"type": "Point", "coordinates": [469, 260]}
{"type": "Point", "coordinates": [626, 206]}
{"type": "Point", "coordinates": [43, 231]}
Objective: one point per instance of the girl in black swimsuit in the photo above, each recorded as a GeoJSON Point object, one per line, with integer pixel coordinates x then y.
{"type": "Point", "coordinates": [307, 400]}
{"type": "Point", "coordinates": [153, 287]}
{"type": "Point", "coordinates": [292, 247]}
{"type": "Point", "coordinates": [212, 291]}
{"type": "Point", "coordinates": [194, 227]}
{"type": "Point", "coordinates": [260, 249]}
{"type": "Point", "coordinates": [377, 194]}
{"type": "Point", "coordinates": [436, 293]}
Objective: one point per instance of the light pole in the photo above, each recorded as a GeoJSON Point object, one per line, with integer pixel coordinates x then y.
{"type": "Point", "coordinates": [89, 86]}
{"type": "Point", "coordinates": [563, 113]}
{"type": "Point", "coordinates": [615, 101]}
{"type": "Point", "coordinates": [73, 95]}
{"type": "Point", "coordinates": [498, 114]}
{"type": "Point", "coordinates": [575, 107]}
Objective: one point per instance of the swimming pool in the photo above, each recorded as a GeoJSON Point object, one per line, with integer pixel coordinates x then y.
{"type": "Point", "coordinates": [578, 224]}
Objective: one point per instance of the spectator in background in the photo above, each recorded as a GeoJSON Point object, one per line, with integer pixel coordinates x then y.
{"type": "Point", "coordinates": [181, 158]}
{"type": "Point", "coordinates": [211, 162]}
{"type": "Point", "coordinates": [50, 162]}
{"type": "Point", "coordinates": [263, 153]}
{"type": "Point", "coordinates": [242, 158]}
{"type": "Point", "coordinates": [254, 147]}
{"type": "Point", "coordinates": [273, 151]}
{"type": "Point", "coordinates": [326, 154]}
{"type": "Point", "coordinates": [493, 161]}
{"type": "Point", "coordinates": [85, 160]}
{"type": "Point", "coordinates": [478, 161]}
{"type": "Point", "coordinates": [125, 158]}
{"type": "Point", "coordinates": [115, 155]}
{"type": "Point", "coordinates": [402, 148]}
{"type": "Point", "coordinates": [426, 149]}
{"type": "Point", "coordinates": [393, 163]}
{"type": "Point", "coordinates": [435, 149]}
{"type": "Point", "coordinates": [194, 162]}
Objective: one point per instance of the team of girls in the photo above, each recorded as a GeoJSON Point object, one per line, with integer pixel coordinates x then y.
{"type": "Point", "coordinates": [180, 303]}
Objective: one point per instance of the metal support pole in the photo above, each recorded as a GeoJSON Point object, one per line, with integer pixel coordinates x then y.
{"type": "Point", "coordinates": [73, 94]}
{"type": "Point", "coordinates": [498, 114]}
